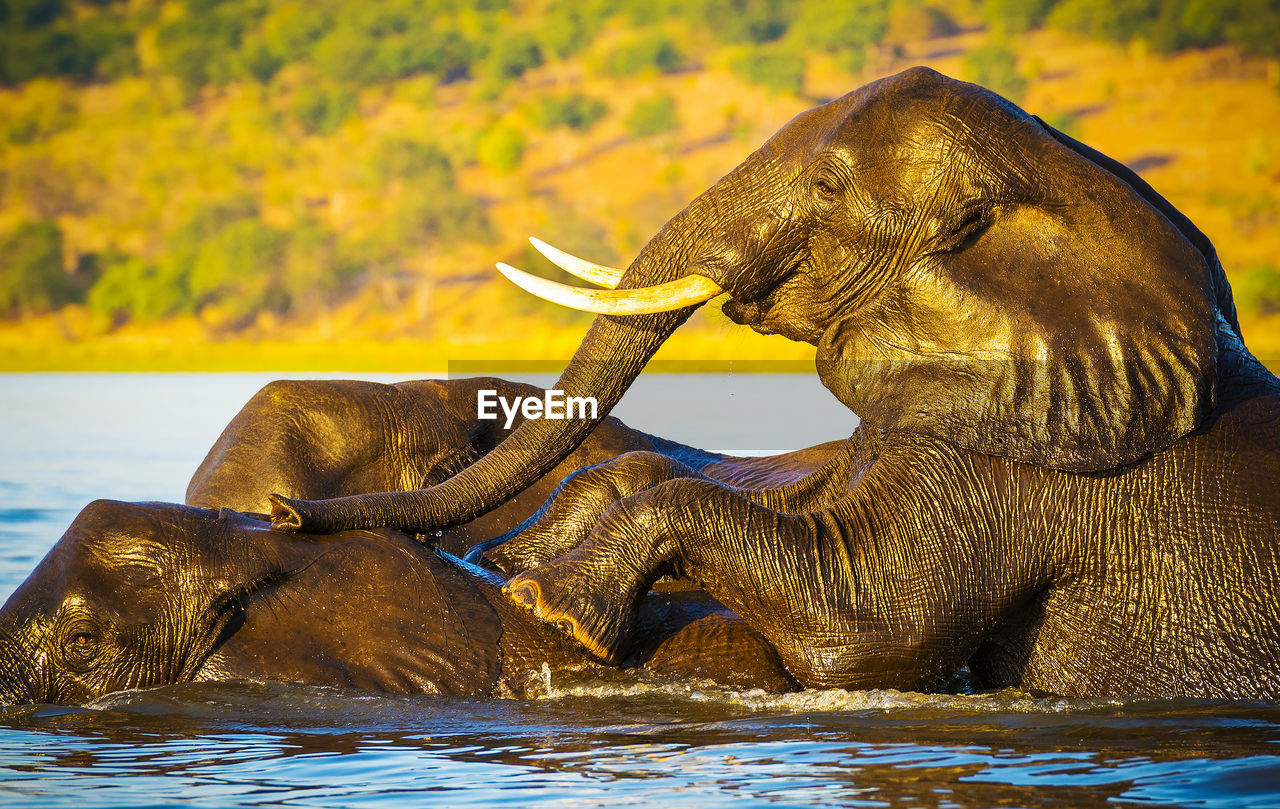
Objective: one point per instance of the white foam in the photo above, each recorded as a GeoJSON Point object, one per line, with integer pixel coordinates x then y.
{"type": "Point", "coordinates": [831, 699]}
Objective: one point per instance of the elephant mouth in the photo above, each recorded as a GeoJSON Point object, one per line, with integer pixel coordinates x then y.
{"type": "Point", "coordinates": [744, 313]}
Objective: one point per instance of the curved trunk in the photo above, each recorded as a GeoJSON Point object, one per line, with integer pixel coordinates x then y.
{"type": "Point", "coordinates": [609, 359]}
{"type": "Point", "coordinates": [612, 355]}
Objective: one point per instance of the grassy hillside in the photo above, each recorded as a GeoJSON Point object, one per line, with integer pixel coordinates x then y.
{"type": "Point", "coordinates": [284, 185]}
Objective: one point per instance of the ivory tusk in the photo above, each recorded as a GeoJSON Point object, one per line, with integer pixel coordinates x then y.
{"type": "Point", "coordinates": [597, 274]}
{"type": "Point", "coordinates": [687, 291]}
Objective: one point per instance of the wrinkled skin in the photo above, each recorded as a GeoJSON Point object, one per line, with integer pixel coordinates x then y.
{"type": "Point", "coordinates": [143, 594]}
{"type": "Point", "coordinates": [1069, 465]}
{"type": "Point", "coordinates": [333, 438]}
{"type": "Point", "coordinates": [329, 438]}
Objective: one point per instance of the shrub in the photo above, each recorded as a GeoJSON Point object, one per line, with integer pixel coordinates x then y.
{"type": "Point", "coordinates": [567, 29]}
{"type": "Point", "coordinates": [653, 116]}
{"type": "Point", "coordinates": [510, 56]}
{"type": "Point", "coordinates": [1117, 20]}
{"type": "Point", "coordinates": [130, 289]}
{"type": "Point", "coordinates": [651, 53]}
{"type": "Point", "coordinates": [427, 213]}
{"type": "Point", "coordinates": [912, 20]}
{"type": "Point", "coordinates": [314, 269]}
{"type": "Point", "coordinates": [429, 205]}
{"type": "Point", "coordinates": [288, 32]}
{"type": "Point", "coordinates": [32, 278]}
{"type": "Point", "coordinates": [501, 148]}
{"type": "Point", "coordinates": [348, 54]}
{"type": "Point", "coordinates": [201, 47]}
{"type": "Point", "coordinates": [841, 27]}
{"type": "Point", "coordinates": [1015, 16]}
{"type": "Point", "coordinates": [753, 21]}
{"type": "Point", "coordinates": [321, 109]}
{"type": "Point", "coordinates": [46, 39]}
{"type": "Point", "coordinates": [402, 158]}
{"type": "Point", "coordinates": [1257, 291]}
{"type": "Point", "coordinates": [1256, 27]}
{"type": "Point", "coordinates": [782, 71]}
{"type": "Point", "coordinates": [574, 110]}
{"type": "Point", "coordinates": [237, 268]}
{"type": "Point", "coordinates": [995, 67]}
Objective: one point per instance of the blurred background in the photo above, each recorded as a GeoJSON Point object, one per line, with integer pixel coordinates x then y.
{"type": "Point", "coordinates": [316, 185]}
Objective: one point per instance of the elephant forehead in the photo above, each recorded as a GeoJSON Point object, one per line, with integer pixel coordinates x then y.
{"type": "Point", "coordinates": [106, 559]}
{"type": "Point", "coordinates": [941, 121]}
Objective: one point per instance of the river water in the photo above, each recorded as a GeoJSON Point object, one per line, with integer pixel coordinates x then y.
{"type": "Point", "coordinates": [67, 439]}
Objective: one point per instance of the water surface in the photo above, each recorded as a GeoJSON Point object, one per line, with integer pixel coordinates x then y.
{"type": "Point", "coordinates": [70, 438]}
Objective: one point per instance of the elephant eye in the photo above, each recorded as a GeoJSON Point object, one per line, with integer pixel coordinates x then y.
{"type": "Point", "coordinates": [824, 189]}
{"type": "Point", "coordinates": [80, 648]}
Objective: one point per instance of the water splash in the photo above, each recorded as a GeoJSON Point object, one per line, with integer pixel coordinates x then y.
{"type": "Point", "coordinates": [638, 684]}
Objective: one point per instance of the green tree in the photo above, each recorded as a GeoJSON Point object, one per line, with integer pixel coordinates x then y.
{"type": "Point", "coordinates": [501, 148]}
{"type": "Point", "coordinates": [995, 67]}
{"type": "Point", "coordinates": [511, 55]}
{"type": "Point", "coordinates": [653, 52]}
{"type": "Point", "coordinates": [32, 278]}
{"type": "Point", "coordinates": [131, 289]}
{"type": "Point", "coordinates": [314, 270]}
{"type": "Point", "coordinates": [653, 116]}
{"type": "Point", "coordinates": [844, 30]}
{"type": "Point", "coordinates": [1015, 16]}
{"type": "Point", "coordinates": [320, 108]}
{"type": "Point", "coordinates": [567, 28]}
{"type": "Point", "coordinates": [237, 268]}
{"type": "Point", "coordinates": [1256, 27]}
{"type": "Point", "coordinates": [1257, 290]}
{"type": "Point", "coordinates": [574, 110]}
{"type": "Point", "coordinates": [754, 21]}
{"type": "Point", "coordinates": [781, 70]}
{"type": "Point", "coordinates": [202, 46]}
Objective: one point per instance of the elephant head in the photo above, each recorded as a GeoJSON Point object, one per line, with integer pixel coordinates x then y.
{"type": "Point", "coordinates": [142, 594]}
{"type": "Point", "coordinates": [964, 271]}
{"type": "Point", "coordinates": [68, 635]}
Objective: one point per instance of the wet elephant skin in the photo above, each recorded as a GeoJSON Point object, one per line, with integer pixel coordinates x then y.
{"type": "Point", "coordinates": [143, 594]}
{"type": "Point", "coordinates": [1069, 465]}
{"type": "Point", "coordinates": [138, 594]}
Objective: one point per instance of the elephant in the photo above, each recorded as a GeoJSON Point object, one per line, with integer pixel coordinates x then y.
{"type": "Point", "coordinates": [143, 594]}
{"type": "Point", "coordinates": [1067, 470]}
{"type": "Point", "coordinates": [136, 595]}
{"type": "Point", "coordinates": [329, 438]}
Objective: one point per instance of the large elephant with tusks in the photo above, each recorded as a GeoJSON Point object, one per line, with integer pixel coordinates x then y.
{"type": "Point", "coordinates": [1068, 469]}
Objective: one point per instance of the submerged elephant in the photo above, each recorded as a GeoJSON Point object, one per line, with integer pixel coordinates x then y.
{"type": "Point", "coordinates": [1069, 465]}
{"type": "Point", "coordinates": [141, 594]}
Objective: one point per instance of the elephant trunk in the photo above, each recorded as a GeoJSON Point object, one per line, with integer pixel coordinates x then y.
{"type": "Point", "coordinates": [609, 359]}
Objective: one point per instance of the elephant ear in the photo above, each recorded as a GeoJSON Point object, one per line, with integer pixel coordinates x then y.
{"type": "Point", "coordinates": [1077, 334]}
{"type": "Point", "coordinates": [1218, 277]}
